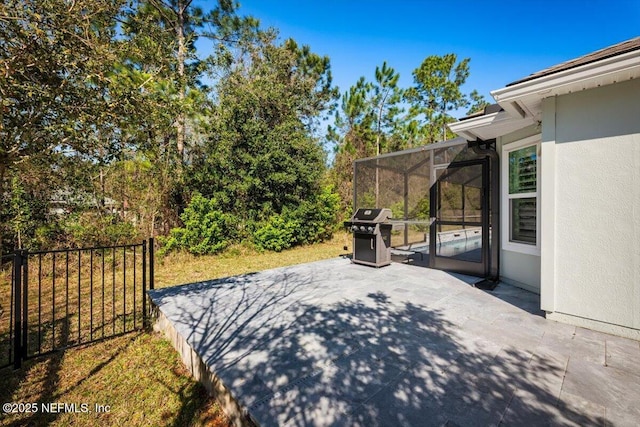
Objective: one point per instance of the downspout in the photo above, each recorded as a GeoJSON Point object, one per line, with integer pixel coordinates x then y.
{"type": "Point", "coordinates": [494, 188]}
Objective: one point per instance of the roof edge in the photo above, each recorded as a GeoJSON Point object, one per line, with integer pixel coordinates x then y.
{"type": "Point", "coordinates": [590, 70]}
{"type": "Point", "coordinates": [598, 55]}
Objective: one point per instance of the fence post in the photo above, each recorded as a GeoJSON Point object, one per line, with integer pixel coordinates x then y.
{"type": "Point", "coordinates": [25, 303]}
{"type": "Point", "coordinates": [17, 311]}
{"type": "Point", "coordinates": [151, 265]}
{"type": "Point", "coordinates": [144, 283]}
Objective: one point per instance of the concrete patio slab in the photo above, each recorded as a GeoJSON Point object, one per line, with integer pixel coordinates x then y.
{"type": "Point", "coordinates": [335, 343]}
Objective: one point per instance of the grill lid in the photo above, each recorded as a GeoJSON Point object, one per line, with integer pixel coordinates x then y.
{"type": "Point", "coordinates": [371, 215]}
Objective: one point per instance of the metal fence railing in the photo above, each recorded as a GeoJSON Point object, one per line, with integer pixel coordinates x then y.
{"type": "Point", "coordinates": [7, 305]}
{"type": "Point", "coordinates": [56, 299]}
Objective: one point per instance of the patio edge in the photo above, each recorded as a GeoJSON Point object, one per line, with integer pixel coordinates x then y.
{"type": "Point", "coordinates": [198, 369]}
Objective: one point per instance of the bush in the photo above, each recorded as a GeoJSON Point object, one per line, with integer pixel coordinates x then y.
{"type": "Point", "coordinates": [312, 221]}
{"type": "Point", "coordinates": [207, 230]}
{"type": "Point", "coordinates": [90, 229]}
{"type": "Point", "coordinates": [317, 217]}
{"type": "Point", "coordinates": [277, 233]}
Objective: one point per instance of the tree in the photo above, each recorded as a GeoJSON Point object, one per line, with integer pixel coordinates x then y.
{"type": "Point", "coordinates": [368, 124]}
{"type": "Point", "coordinates": [477, 102]}
{"type": "Point", "coordinates": [175, 26]}
{"type": "Point", "coordinates": [437, 91]}
{"type": "Point", "coordinates": [371, 120]}
{"type": "Point", "coordinates": [353, 137]}
{"type": "Point", "coordinates": [56, 61]}
{"type": "Point", "coordinates": [260, 155]}
{"type": "Point", "coordinates": [20, 210]}
{"type": "Point", "coordinates": [102, 101]}
{"type": "Point", "coordinates": [161, 67]}
{"type": "Point", "coordinates": [369, 108]}
{"type": "Point", "coordinates": [55, 90]}
{"type": "Point", "coordinates": [386, 96]}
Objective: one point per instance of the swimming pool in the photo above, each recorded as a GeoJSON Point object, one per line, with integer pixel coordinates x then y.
{"type": "Point", "coordinates": [469, 247]}
{"type": "Point", "coordinates": [465, 248]}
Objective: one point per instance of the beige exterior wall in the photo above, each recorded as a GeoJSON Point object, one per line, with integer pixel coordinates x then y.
{"type": "Point", "coordinates": [590, 205]}
{"type": "Point", "coordinates": [519, 269]}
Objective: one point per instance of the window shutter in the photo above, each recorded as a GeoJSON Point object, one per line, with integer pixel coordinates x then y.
{"type": "Point", "coordinates": [522, 170]}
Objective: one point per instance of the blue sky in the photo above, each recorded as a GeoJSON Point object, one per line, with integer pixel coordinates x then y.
{"type": "Point", "coordinates": [506, 40]}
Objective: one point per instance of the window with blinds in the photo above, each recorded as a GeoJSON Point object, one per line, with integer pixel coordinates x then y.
{"type": "Point", "coordinates": [523, 220]}
{"type": "Point", "coordinates": [522, 170]}
{"type": "Point", "coordinates": [523, 163]}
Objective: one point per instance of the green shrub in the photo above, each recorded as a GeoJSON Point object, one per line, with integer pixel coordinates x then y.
{"type": "Point", "coordinates": [277, 233]}
{"type": "Point", "coordinates": [312, 221]}
{"type": "Point", "coordinates": [207, 230]}
{"type": "Point", "coordinates": [317, 217]}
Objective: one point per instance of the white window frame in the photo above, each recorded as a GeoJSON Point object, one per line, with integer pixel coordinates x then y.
{"type": "Point", "coordinates": [507, 243]}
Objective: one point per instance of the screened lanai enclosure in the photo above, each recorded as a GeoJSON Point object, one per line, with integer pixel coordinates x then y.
{"type": "Point", "coordinates": [444, 201]}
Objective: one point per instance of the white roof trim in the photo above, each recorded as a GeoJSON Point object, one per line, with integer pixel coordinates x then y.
{"type": "Point", "coordinates": [522, 97]}
{"type": "Point", "coordinates": [489, 126]}
{"type": "Point", "coordinates": [522, 102]}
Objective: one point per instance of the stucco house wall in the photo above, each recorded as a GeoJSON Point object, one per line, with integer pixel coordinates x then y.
{"type": "Point", "coordinates": [590, 206]}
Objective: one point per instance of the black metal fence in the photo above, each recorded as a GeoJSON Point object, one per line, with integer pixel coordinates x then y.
{"type": "Point", "coordinates": [7, 306]}
{"type": "Point", "coordinates": [52, 300]}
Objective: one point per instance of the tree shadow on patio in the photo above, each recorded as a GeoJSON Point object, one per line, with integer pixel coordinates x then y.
{"type": "Point", "coordinates": [296, 351]}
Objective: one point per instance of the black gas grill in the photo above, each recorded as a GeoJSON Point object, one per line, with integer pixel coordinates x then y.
{"type": "Point", "coordinates": [371, 236]}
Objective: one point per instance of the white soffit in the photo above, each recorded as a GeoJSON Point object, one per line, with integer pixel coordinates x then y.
{"type": "Point", "coordinates": [489, 126]}
{"type": "Point", "coordinates": [525, 99]}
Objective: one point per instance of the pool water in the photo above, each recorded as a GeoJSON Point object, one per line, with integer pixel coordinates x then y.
{"type": "Point", "coordinates": [466, 249]}
{"type": "Point", "coordinates": [459, 247]}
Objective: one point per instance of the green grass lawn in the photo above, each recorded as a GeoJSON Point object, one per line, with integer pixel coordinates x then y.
{"type": "Point", "coordinates": [139, 376]}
